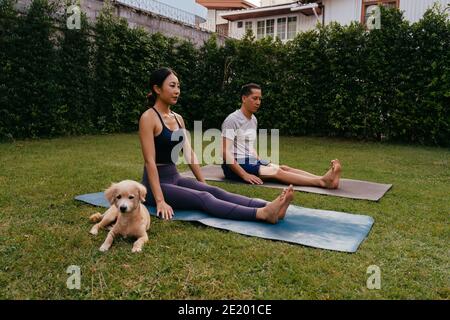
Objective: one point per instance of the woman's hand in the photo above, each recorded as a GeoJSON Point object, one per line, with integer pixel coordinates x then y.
{"type": "Point", "coordinates": [164, 211]}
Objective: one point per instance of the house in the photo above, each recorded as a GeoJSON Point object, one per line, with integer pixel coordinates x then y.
{"type": "Point", "coordinates": [284, 19]}
{"type": "Point", "coordinates": [214, 21]}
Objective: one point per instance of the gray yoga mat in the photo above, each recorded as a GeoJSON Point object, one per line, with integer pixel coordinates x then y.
{"type": "Point", "coordinates": [322, 229]}
{"type": "Point", "coordinates": [354, 189]}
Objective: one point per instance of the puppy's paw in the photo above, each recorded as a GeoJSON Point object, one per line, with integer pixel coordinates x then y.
{"type": "Point", "coordinates": [104, 248]}
{"type": "Point", "coordinates": [138, 249]}
{"type": "Point", "coordinates": [94, 231]}
{"type": "Point", "coordinates": [97, 217]}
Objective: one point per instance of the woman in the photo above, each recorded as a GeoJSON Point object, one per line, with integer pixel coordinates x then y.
{"type": "Point", "coordinates": [157, 128]}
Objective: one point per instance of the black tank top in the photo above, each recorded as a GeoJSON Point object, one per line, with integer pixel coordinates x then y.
{"type": "Point", "coordinates": [166, 141]}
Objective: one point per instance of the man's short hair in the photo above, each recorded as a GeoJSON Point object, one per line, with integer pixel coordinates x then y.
{"type": "Point", "coordinates": [246, 90]}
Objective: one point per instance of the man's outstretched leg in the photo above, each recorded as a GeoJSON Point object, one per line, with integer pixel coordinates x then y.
{"type": "Point", "coordinates": [302, 172]}
{"type": "Point", "coordinates": [330, 180]}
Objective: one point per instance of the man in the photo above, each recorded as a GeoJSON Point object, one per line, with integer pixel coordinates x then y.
{"type": "Point", "coordinates": [241, 160]}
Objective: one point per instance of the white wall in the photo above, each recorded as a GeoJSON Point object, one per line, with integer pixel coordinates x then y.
{"type": "Point", "coordinates": [265, 3]}
{"type": "Point", "coordinates": [414, 9]}
{"type": "Point", "coordinates": [343, 11]}
{"type": "Point", "coordinates": [221, 20]}
{"type": "Point", "coordinates": [210, 23]}
{"type": "Point", "coordinates": [213, 18]}
{"type": "Point", "coordinates": [346, 11]}
{"type": "Point", "coordinates": [306, 23]}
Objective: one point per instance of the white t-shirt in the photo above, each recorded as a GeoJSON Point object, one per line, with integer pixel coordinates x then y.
{"type": "Point", "coordinates": [238, 128]}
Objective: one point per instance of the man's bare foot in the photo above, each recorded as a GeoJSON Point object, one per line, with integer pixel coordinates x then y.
{"type": "Point", "coordinates": [331, 179]}
{"type": "Point", "coordinates": [337, 169]}
{"type": "Point", "coordinates": [286, 198]}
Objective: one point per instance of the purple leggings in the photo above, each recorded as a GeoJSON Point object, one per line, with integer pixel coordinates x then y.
{"type": "Point", "coordinates": [189, 194]}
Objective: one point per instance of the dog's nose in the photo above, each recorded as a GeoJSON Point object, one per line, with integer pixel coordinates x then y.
{"type": "Point", "coordinates": [123, 208]}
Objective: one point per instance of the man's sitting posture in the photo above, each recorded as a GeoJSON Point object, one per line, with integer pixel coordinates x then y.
{"type": "Point", "coordinates": [241, 161]}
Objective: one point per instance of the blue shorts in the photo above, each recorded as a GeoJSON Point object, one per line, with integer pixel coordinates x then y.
{"type": "Point", "coordinates": [250, 165]}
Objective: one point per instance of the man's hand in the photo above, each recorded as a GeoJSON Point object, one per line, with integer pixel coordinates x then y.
{"type": "Point", "coordinates": [252, 179]}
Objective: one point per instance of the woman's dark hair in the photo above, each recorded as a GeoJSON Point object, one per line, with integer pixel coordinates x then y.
{"type": "Point", "coordinates": [246, 90]}
{"type": "Point", "coordinates": [157, 78]}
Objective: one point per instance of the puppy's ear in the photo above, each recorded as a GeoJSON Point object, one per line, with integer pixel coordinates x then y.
{"type": "Point", "coordinates": [110, 193]}
{"type": "Point", "coordinates": [142, 192]}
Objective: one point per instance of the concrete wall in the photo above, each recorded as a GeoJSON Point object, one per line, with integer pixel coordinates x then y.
{"type": "Point", "coordinates": [153, 23]}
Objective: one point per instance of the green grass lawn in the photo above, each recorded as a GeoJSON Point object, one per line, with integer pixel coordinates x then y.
{"type": "Point", "coordinates": [43, 230]}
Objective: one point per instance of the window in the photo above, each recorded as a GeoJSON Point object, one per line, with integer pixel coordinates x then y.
{"type": "Point", "coordinates": [240, 24]}
{"type": "Point", "coordinates": [261, 25]}
{"type": "Point", "coordinates": [286, 28]}
{"type": "Point", "coordinates": [270, 28]}
{"type": "Point", "coordinates": [248, 26]}
{"type": "Point", "coordinates": [369, 5]}
{"type": "Point", "coordinates": [291, 27]}
{"type": "Point", "coordinates": [391, 5]}
{"type": "Point", "coordinates": [281, 28]}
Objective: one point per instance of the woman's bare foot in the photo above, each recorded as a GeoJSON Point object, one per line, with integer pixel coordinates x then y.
{"type": "Point", "coordinates": [270, 212]}
{"type": "Point", "coordinates": [286, 198]}
{"type": "Point", "coordinates": [327, 179]}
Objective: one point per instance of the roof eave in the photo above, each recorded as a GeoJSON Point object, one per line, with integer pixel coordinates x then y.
{"type": "Point", "coordinates": [291, 8]}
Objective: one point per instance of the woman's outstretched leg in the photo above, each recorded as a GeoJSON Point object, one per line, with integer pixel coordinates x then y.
{"type": "Point", "coordinates": [189, 199]}
{"type": "Point", "coordinates": [222, 194]}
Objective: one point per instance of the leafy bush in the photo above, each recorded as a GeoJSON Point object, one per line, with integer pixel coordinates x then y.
{"type": "Point", "coordinates": [392, 83]}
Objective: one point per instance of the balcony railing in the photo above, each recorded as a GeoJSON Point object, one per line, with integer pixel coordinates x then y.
{"type": "Point", "coordinates": [165, 10]}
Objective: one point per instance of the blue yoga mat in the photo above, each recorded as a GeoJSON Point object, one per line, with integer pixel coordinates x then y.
{"type": "Point", "coordinates": [322, 229]}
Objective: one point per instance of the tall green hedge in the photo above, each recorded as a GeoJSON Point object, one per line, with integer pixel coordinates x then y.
{"type": "Point", "coordinates": [391, 84]}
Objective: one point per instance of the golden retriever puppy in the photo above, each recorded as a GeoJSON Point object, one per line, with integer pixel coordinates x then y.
{"type": "Point", "coordinates": [133, 218]}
